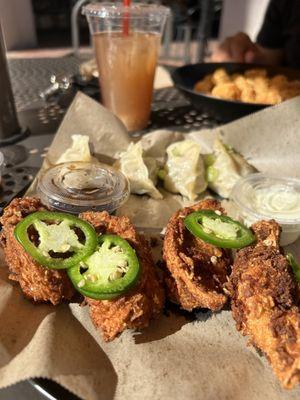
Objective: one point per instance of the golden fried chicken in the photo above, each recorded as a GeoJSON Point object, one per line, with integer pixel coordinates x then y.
{"type": "Point", "coordinates": [205, 85]}
{"type": "Point", "coordinates": [220, 76]}
{"type": "Point", "coordinates": [264, 302]}
{"type": "Point", "coordinates": [145, 301]}
{"type": "Point", "coordinates": [253, 86]}
{"type": "Point", "coordinates": [196, 271]}
{"type": "Point", "coordinates": [37, 283]}
{"type": "Point", "coordinates": [227, 91]}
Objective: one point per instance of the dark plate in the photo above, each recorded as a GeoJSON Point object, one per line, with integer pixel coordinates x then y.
{"type": "Point", "coordinates": [223, 110]}
{"type": "Point", "coordinates": [51, 390]}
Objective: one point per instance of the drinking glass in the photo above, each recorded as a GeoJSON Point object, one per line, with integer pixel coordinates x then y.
{"type": "Point", "coordinates": [126, 42]}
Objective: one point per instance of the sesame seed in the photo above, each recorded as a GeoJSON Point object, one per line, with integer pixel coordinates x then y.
{"type": "Point", "coordinates": [82, 264]}
{"type": "Point", "coordinates": [65, 248]}
{"type": "Point", "coordinates": [122, 264]}
{"type": "Point", "coordinates": [163, 231]}
{"type": "Point", "coordinates": [218, 212]}
{"type": "Point", "coordinates": [115, 275]}
{"type": "Point", "coordinates": [91, 277]}
{"type": "Point", "coordinates": [213, 260]}
{"type": "Point", "coordinates": [117, 249]}
{"type": "Point", "coordinates": [268, 242]}
{"type": "Point", "coordinates": [81, 283]}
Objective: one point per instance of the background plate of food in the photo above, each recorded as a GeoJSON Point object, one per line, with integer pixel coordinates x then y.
{"type": "Point", "coordinates": [228, 91]}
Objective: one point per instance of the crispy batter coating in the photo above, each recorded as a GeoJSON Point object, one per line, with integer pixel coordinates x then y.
{"type": "Point", "coordinates": [220, 76]}
{"type": "Point", "coordinates": [264, 302]}
{"type": "Point", "coordinates": [205, 85]}
{"type": "Point", "coordinates": [37, 283]}
{"type": "Point", "coordinates": [228, 91]}
{"type": "Point", "coordinates": [196, 271]}
{"type": "Point", "coordinates": [253, 86]}
{"type": "Point", "coordinates": [145, 301]}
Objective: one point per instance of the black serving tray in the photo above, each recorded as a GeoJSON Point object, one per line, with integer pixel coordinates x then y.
{"type": "Point", "coordinates": [223, 110]}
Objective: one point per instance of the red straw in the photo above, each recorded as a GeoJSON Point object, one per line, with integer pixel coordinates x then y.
{"type": "Point", "coordinates": [126, 18]}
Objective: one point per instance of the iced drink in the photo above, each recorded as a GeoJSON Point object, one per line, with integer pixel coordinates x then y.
{"type": "Point", "coordinates": [126, 72]}
{"type": "Point", "coordinates": [127, 58]}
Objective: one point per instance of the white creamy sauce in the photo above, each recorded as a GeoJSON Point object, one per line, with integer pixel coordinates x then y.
{"type": "Point", "coordinates": [277, 201]}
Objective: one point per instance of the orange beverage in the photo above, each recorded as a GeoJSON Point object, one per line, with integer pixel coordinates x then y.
{"type": "Point", "coordinates": [126, 73]}
{"type": "Point", "coordinates": [127, 58]}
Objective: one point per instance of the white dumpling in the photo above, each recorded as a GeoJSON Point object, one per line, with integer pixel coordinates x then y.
{"type": "Point", "coordinates": [78, 151]}
{"type": "Point", "coordinates": [227, 168]}
{"type": "Point", "coordinates": [134, 167]}
{"type": "Point", "coordinates": [185, 172]}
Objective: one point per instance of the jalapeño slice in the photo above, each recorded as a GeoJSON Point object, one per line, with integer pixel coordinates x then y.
{"type": "Point", "coordinates": [60, 240]}
{"type": "Point", "coordinates": [109, 272]}
{"type": "Point", "coordinates": [294, 265]}
{"type": "Point", "coordinates": [219, 230]}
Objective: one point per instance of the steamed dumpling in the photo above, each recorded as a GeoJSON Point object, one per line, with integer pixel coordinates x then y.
{"type": "Point", "coordinates": [139, 171]}
{"type": "Point", "coordinates": [185, 172]}
{"type": "Point", "coordinates": [226, 168]}
{"type": "Point", "coordinates": [78, 151]}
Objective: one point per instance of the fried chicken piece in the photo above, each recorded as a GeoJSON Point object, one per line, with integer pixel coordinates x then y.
{"type": "Point", "coordinates": [196, 270]}
{"type": "Point", "coordinates": [220, 76]}
{"type": "Point", "coordinates": [278, 81]}
{"type": "Point", "coordinates": [248, 94]}
{"type": "Point", "coordinates": [145, 301]}
{"type": "Point", "coordinates": [227, 91]}
{"type": "Point", "coordinates": [290, 90]}
{"type": "Point", "coordinates": [37, 283]}
{"type": "Point", "coordinates": [246, 88]}
{"type": "Point", "coordinates": [205, 85]}
{"type": "Point", "coordinates": [264, 302]}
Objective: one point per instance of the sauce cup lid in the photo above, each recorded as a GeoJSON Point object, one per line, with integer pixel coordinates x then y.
{"type": "Point", "coordinates": [264, 196]}
{"type": "Point", "coordinates": [76, 187]}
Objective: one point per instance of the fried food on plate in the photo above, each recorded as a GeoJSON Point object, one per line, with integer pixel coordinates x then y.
{"type": "Point", "coordinates": [220, 76]}
{"type": "Point", "coordinates": [196, 270]}
{"type": "Point", "coordinates": [135, 308]}
{"type": "Point", "coordinates": [206, 85]}
{"type": "Point", "coordinates": [227, 90]}
{"type": "Point", "coordinates": [264, 302]}
{"type": "Point", "coordinates": [37, 283]}
{"type": "Point", "coordinates": [253, 86]}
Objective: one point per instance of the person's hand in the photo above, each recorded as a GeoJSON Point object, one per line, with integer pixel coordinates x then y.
{"type": "Point", "coordinates": [238, 48]}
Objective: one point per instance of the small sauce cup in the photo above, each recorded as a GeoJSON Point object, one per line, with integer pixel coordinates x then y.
{"type": "Point", "coordinates": [75, 187]}
{"type": "Point", "coordinates": [263, 197]}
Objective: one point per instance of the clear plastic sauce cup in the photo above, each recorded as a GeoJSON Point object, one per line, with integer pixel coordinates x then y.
{"type": "Point", "coordinates": [76, 187]}
{"type": "Point", "coordinates": [264, 197]}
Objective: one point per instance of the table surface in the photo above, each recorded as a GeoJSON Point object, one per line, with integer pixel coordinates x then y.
{"type": "Point", "coordinates": [29, 76]}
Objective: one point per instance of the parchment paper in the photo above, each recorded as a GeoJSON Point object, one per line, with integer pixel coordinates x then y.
{"type": "Point", "coordinates": [174, 358]}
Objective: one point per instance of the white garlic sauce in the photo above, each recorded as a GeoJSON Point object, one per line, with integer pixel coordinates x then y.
{"type": "Point", "coordinates": [278, 201]}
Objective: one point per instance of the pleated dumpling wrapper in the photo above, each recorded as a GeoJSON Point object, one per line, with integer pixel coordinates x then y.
{"type": "Point", "coordinates": [140, 171]}
{"type": "Point", "coordinates": [185, 172]}
{"type": "Point", "coordinates": [226, 168]}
